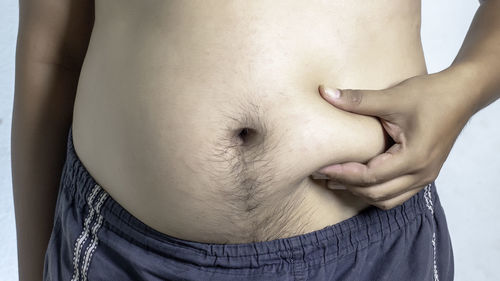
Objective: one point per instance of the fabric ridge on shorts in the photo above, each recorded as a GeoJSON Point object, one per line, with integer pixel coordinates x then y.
{"type": "Point", "coordinates": [94, 238]}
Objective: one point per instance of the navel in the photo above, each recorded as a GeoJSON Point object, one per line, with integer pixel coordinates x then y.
{"type": "Point", "coordinates": [247, 136]}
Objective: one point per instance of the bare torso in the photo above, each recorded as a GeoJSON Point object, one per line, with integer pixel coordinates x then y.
{"type": "Point", "coordinates": [168, 87]}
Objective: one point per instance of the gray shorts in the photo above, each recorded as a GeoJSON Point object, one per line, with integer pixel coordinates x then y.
{"type": "Point", "coordinates": [94, 238]}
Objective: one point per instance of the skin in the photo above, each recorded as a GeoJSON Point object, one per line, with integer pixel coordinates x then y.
{"type": "Point", "coordinates": [422, 131]}
{"type": "Point", "coordinates": [50, 50]}
{"type": "Point", "coordinates": [46, 81]}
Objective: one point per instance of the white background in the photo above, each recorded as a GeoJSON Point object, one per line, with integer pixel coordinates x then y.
{"type": "Point", "coordinates": [469, 182]}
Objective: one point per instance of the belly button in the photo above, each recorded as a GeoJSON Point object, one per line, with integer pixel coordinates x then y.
{"type": "Point", "coordinates": [248, 137]}
{"type": "Point", "coordinates": [246, 134]}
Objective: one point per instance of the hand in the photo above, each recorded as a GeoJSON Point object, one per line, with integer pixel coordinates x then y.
{"type": "Point", "coordinates": [424, 116]}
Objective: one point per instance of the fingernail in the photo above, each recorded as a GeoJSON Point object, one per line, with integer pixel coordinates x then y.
{"type": "Point", "coordinates": [335, 186]}
{"type": "Point", "coordinates": [332, 93]}
{"type": "Point", "coordinates": [319, 176]}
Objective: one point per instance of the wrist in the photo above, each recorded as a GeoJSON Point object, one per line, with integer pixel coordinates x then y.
{"type": "Point", "coordinates": [467, 86]}
{"type": "Point", "coordinates": [481, 79]}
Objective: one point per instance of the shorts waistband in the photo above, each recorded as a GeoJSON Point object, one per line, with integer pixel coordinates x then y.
{"type": "Point", "coordinates": [331, 242]}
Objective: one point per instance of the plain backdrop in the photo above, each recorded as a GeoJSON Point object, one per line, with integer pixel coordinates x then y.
{"type": "Point", "coordinates": [468, 185]}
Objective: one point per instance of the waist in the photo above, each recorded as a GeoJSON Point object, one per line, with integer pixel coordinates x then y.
{"type": "Point", "coordinates": [84, 196]}
{"type": "Point", "coordinates": [222, 150]}
{"type": "Point", "coordinates": [196, 176]}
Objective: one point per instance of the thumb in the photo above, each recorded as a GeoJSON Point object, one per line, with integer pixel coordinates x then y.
{"type": "Point", "coordinates": [366, 102]}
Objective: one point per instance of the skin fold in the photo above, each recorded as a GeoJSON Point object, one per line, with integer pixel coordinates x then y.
{"type": "Point", "coordinates": [423, 115]}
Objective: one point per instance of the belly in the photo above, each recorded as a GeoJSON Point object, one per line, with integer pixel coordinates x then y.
{"type": "Point", "coordinates": [205, 123]}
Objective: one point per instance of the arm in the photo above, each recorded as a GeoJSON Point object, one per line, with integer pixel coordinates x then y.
{"type": "Point", "coordinates": [52, 41]}
{"type": "Point", "coordinates": [423, 115]}
{"type": "Point", "coordinates": [478, 60]}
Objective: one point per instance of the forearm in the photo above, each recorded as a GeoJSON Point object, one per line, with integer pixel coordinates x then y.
{"type": "Point", "coordinates": [478, 61]}
{"type": "Point", "coordinates": [43, 107]}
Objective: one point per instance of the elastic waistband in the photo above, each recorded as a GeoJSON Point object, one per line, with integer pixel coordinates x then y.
{"type": "Point", "coordinates": [331, 242]}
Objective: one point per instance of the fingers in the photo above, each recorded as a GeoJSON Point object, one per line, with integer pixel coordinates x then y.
{"type": "Point", "coordinates": [366, 102]}
{"type": "Point", "coordinates": [385, 191]}
{"type": "Point", "coordinates": [389, 194]}
{"type": "Point", "coordinates": [379, 169]}
{"type": "Point", "coordinates": [386, 195]}
{"type": "Point", "coordinates": [396, 201]}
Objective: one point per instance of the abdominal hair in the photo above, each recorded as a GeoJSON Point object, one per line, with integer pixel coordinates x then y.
{"type": "Point", "coordinates": [242, 171]}
{"type": "Point", "coordinates": [244, 177]}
